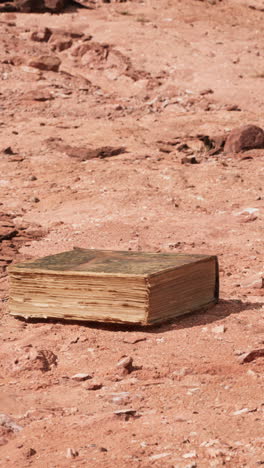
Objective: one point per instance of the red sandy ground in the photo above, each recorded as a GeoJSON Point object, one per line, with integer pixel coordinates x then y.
{"type": "Point", "coordinates": [190, 386]}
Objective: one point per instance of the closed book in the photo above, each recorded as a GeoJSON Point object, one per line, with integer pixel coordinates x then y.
{"type": "Point", "coordinates": [111, 286]}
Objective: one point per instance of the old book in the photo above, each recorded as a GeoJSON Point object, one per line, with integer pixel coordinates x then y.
{"type": "Point", "coordinates": [131, 287]}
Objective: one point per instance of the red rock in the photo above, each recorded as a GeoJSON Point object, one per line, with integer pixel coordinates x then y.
{"type": "Point", "coordinates": [27, 6]}
{"type": "Point", "coordinates": [72, 453]}
{"type": "Point", "coordinates": [206, 91]}
{"type": "Point", "coordinates": [35, 360]}
{"type": "Point", "coordinates": [60, 43]}
{"type": "Point", "coordinates": [133, 340]}
{"type": "Point", "coordinates": [84, 153]}
{"type": "Point", "coordinates": [219, 329]}
{"type": "Point", "coordinates": [30, 453]}
{"type": "Point", "coordinates": [189, 160]}
{"type": "Point", "coordinates": [93, 385]}
{"type": "Point", "coordinates": [46, 62]}
{"type": "Point", "coordinates": [9, 424]}
{"type": "Point", "coordinates": [233, 107]}
{"type": "Point", "coordinates": [54, 5]}
{"type": "Point", "coordinates": [34, 199]}
{"type": "Point", "coordinates": [41, 95]}
{"type": "Point", "coordinates": [125, 362]}
{"type": "Point", "coordinates": [75, 34]}
{"type": "Point", "coordinates": [244, 138]}
{"type": "Point", "coordinates": [81, 377]}
{"type": "Point", "coordinates": [255, 282]}
{"type": "Point", "coordinates": [41, 35]}
{"type": "Point", "coordinates": [96, 54]}
{"type": "Point", "coordinates": [251, 355]}
{"type": "Point", "coordinates": [8, 151]}
{"type": "Point", "coordinates": [247, 218]}
{"type": "Point", "coordinates": [126, 414]}
{"type": "Point", "coordinates": [125, 365]}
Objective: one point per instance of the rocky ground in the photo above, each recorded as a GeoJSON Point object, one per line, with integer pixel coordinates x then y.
{"type": "Point", "coordinates": [112, 131]}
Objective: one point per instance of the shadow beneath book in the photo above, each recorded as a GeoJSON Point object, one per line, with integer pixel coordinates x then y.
{"type": "Point", "coordinates": [204, 316]}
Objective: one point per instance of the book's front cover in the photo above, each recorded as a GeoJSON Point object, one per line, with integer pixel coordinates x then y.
{"type": "Point", "coordinates": [108, 262]}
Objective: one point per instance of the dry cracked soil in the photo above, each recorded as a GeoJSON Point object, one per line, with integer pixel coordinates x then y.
{"type": "Point", "coordinates": [107, 125]}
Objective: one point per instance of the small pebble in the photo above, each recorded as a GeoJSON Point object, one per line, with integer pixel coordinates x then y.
{"type": "Point", "coordinates": [189, 160]}
{"type": "Point", "coordinates": [30, 452]}
{"type": "Point", "coordinates": [125, 362]}
{"type": "Point", "coordinates": [71, 453]}
{"type": "Point", "coordinates": [233, 107]}
{"type": "Point", "coordinates": [8, 151]}
{"type": "Point", "coordinates": [206, 91]}
{"type": "Point", "coordinates": [159, 456]}
{"type": "Point", "coordinates": [126, 413]}
{"type": "Point", "coordinates": [93, 386]}
{"type": "Point", "coordinates": [81, 377]}
{"type": "Point", "coordinates": [242, 411]}
{"type": "Point", "coordinates": [219, 329]}
{"type": "Point", "coordinates": [125, 365]}
{"type": "Point", "coordinates": [192, 454]}
{"type": "Point", "coordinates": [34, 199]}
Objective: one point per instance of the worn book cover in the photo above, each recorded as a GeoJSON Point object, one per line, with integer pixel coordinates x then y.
{"type": "Point", "coordinates": [136, 287]}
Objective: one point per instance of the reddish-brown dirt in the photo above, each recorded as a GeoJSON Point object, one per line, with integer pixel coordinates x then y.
{"type": "Point", "coordinates": [148, 77]}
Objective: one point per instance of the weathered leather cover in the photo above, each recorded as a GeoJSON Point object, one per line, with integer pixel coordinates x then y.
{"type": "Point", "coordinates": [109, 262]}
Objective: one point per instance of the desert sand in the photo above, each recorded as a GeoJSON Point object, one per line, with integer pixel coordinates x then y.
{"type": "Point", "coordinates": [108, 115]}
